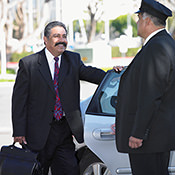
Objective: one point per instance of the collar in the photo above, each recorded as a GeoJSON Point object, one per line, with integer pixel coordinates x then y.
{"type": "Point", "coordinates": [152, 34]}
{"type": "Point", "coordinates": [50, 57]}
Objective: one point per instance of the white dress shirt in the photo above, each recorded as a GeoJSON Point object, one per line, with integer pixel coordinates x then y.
{"type": "Point", "coordinates": [51, 61]}
{"type": "Point", "coordinates": [152, 34]}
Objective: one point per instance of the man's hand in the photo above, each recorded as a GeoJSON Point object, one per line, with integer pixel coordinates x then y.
{"type": "Point", "coordinates": [113, 129]}
{"type": "Point", "coordinates": [135, 142]}
{"type": "Point", "coordinates": [118, 68]}
{"type": "Point", "coordinates": [20, 139]}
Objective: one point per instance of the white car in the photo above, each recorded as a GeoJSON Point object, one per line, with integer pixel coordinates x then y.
{"type": "Point", "coordinates": [98, 155]}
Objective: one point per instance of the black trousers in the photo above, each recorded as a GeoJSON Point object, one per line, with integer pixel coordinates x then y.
{"type": "Point", "coordinates": [59, 151]}
{"type": "Point", "coordinates": [150, 164]}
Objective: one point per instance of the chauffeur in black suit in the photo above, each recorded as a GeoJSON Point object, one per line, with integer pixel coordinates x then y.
{"type": "Point", "coordinates": [36, 97]}
{"type": "Point", "coordinates": [145, 112]}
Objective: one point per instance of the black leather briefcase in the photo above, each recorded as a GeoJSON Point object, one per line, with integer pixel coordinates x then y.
{"type": "Point", "coordinates": [18, 161]}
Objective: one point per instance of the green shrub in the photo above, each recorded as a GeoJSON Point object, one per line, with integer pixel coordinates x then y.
{"type": "Point", "coordinates": [15, 57]}
{"type": "Point", "coordinates": [9, 71]}
{"type": "Point", "coordinates": [119, 25]}
{"type": "Point", "coordinates": [130, 53]}
{"type": "Point", "coordinates": [116, 52]}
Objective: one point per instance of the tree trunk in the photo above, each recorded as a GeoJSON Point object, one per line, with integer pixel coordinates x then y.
{"type": "Point", "coordinates": [2, 40]}
{"type": "Point", "coordinates": [92, 30]}
{"type": "Point", "coordinates": [36, 32]}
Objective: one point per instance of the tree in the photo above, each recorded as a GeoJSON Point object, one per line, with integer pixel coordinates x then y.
{"type": "Point", "coordinates": [171, 21]}
{"type": "Point", "coordinates": [5, 30]}
{"type": "Point", "coordinates": [3, 15]}
{"type": "Point", "coordinates": [95, 11]}
{"type": "Point", "coordinates": [119, 25]}
{"type": "Point", "coordinates": [37, 31]}
{"type": "Point", "coordinates": [14, 29]}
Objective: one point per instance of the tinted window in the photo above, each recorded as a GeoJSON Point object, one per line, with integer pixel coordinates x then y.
{"type": "Point", "coordinates": [105, 98]}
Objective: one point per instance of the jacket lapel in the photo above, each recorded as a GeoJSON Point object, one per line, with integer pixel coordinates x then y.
{"type": "Point", "coordinates": [45, 71]}
{"type": "Point", "coordinates": [163, 32]}
{"type": "Point", "coordinates": [135, 58]}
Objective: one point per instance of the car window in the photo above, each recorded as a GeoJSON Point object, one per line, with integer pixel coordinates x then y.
{"type": "Point", "coordinates": [105, 98]}
{"type": "Point", "coordinates": [109, 92]}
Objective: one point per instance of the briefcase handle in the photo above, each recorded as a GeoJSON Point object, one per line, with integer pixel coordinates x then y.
{"type": "Point", "coordinates": [24, 146]}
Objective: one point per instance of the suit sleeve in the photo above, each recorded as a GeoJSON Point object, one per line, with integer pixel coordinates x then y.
{"type": "Point", "coordinates": [154, 75]}
{"type": "Point", "coordinates": [91, 74]}
{"type": "Point", "coordinates": [19, 101]}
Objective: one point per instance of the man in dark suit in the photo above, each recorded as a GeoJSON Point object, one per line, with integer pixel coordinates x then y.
{"type": "Point", "coordinates": [46, 101]}
{"type": "Point", "coordinates": [145, 112]}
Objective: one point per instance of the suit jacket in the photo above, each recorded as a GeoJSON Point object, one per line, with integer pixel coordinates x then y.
{"type": "Point", "coordinates": [34, 96]}
{"type": "Point", "coordinates": [146, 98]}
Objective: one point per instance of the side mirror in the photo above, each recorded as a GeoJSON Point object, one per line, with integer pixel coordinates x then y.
{"type": "Point", "coordinates": [114, 101]}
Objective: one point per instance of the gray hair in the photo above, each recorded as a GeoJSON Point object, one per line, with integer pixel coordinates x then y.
{"type": "Point", "coordinates": [51, 25]}
{"type": "Point", "coordinates": [155, 20]}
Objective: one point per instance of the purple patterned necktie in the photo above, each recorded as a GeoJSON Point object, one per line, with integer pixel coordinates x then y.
{"type": "Point", "coordinates": [58, 112]}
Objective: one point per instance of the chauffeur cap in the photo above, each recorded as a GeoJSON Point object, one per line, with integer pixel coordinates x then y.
{"type": "Point", "coordinates": [155, 8]}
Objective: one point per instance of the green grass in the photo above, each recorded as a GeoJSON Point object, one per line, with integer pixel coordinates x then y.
{"type": "Point", "coordinates": [9, 71]}
{"type": "Point", "coordinates": [5, 80]}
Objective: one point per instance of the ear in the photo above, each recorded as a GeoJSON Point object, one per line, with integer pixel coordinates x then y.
{"type": "Point", "coordinates": [45, 39]}
{"type": "Point", "coordinates": [148, 21]}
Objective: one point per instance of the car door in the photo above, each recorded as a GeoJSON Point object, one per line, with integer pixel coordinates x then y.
{"type": "Point", "coordinates": [99, 125]}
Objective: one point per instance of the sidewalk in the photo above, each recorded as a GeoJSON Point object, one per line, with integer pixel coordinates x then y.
{"type": "Point", "coordinates": [8, 77]}
{"type": "Point", "coordinates": [5, 113]}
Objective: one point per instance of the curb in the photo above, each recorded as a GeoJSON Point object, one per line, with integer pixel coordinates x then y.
{"type": "Point", "coordinates": [6, 84]}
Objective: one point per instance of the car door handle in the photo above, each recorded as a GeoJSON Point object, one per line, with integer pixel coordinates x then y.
{"type": "Point", "coordinates": [103, 134]}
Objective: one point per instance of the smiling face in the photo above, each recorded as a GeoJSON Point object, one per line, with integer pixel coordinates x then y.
{"type": "Point", "coordinates": [57, 42]}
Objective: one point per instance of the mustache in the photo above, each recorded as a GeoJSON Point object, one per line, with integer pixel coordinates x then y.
{"type": "Point", "coordinates": [64, 44]}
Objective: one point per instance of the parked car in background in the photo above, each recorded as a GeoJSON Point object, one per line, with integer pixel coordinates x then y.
{"type": "Point", "coordinates": [98, 155]}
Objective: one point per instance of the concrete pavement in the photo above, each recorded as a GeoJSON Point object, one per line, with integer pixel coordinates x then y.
{"type": "Point", "coordinates": [5, 113]}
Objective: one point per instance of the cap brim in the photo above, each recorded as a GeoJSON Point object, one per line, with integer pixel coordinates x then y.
{"type": "Point", "coordinates": [138, 11]}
